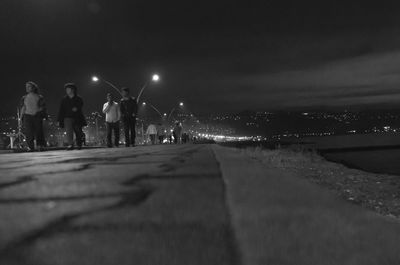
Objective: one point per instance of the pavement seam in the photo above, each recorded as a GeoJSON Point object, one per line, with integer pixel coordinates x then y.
{"type": "Point", "coordinates": [237, 259]}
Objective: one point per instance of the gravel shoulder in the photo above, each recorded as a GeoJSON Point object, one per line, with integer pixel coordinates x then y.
{"type": "Point", "coordinates": [377, 192]}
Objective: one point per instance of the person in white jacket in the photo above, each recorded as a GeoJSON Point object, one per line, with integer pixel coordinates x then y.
{"type": "Point", "coordinates": [152, 132]}
{"type": "Point", "coordinates": [113, 115]}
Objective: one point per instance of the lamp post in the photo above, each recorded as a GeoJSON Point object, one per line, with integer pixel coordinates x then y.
{"type": "Point", "coordinates": [97, 79]}
{"type": "Point", "coordinates": [154, 108]}
{"type": "Point", "coordinates": [155, 78]}
{"type": "Point", "coordinates": [173, 109]}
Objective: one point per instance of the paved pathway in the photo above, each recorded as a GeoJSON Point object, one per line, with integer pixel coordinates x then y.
{"type": "Point", "coordinates": [178, 204]}
{"type": "Point", "coordinates": [281, 218]}
{"type": "Point", "coordinates": [142, 205]}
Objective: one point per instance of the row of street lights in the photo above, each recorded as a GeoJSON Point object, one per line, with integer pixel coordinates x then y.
{"type": "Point", "coordinates": [163, 116]}
{"type": "Point", "coordinates": [155, 78]}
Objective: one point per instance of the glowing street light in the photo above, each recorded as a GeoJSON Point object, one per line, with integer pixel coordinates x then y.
{"type": "Point", "coordinates": [155, 78]}
{"type": "Point", "coordinates": [144, 104]}
{"type": "Point", "coordinates": [97, 79]}
{"type": "Point", "coordinates": [173, 109]}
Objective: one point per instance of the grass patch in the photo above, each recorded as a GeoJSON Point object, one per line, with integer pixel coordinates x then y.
{"type": "Point", "coordinates": [378, 192]}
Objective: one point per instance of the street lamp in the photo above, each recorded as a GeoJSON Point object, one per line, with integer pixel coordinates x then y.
{"type": "Point", "coordinates": [173, 109]}
{"type": "Point", "coordinates": [155, 78]}
{"type": "Point", "coordinates": [154, 108]}
{"type": "Point", "coordinates": [97, 79]}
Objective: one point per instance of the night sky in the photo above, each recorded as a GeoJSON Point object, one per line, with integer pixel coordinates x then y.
{"type": "Point", "coordinates": [213, 55]}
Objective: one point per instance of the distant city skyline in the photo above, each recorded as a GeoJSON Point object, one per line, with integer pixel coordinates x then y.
{"type": "Point", "coordinates": [264, 124]}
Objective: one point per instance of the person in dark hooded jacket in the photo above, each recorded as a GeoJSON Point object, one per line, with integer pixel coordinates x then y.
{"type": "Point", "coordinates": [70, 116]}
{"type": "Point", "coordinates": [129, 110]}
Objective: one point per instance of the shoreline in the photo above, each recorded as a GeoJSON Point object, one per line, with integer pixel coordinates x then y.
{"type": "Point", "coordinates": [327, 153]}
{"type": "Point", "coordinates": [374, 191]}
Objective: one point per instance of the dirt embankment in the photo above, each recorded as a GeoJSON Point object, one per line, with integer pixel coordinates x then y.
{"type": "Point", "coordinates": [378, 192]}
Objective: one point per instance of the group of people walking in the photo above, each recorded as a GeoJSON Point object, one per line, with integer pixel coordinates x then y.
{"type": "Point", "coordinates": [71, 117]}
{"type": "Point", "coordinates": [161, 133]}
{"type": "Point", "coordinates": [124, 111]}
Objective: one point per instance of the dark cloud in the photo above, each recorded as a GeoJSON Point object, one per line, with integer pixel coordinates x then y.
{"type": "Point", "coordinates": [216, 55]}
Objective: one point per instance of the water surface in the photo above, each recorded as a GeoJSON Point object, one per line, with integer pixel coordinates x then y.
{"type": "Point", "coordinates": [377, 161]}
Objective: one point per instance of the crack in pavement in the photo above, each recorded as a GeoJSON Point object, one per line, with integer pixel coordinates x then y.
{"type": "Point", "coordinates": [17, 250]}
{"type": "Point", "coordinates": [18, 181]}
{"type": "Point", "coordinates": [61, 198]}
{"type": "Point", "coordinates": [64, 222]}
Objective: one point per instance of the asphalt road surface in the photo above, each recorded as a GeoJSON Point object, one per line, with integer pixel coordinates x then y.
{"type": "Point", "coordinates": [181, 205]}
{"type": "Point", "coordinates": [142, 205]}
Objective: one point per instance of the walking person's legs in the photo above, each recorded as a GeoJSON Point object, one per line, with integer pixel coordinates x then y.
{"type": "Point", "coordinates": [126, 131]}
{"type": "Point", "coordinates": [132, 127]}
{"type": "Point", "coordinates": [109, 126]}
{"type": "Point", "coordinates": [29, 129]}
{"type": "Point", "coordinates": [78, 134]}
{"type": "Point", "coordinates": [69, 129]}
{"type": "Point", "coordinates": [116, 133]}
{"type": "Point", "coordinates": [39, 133]}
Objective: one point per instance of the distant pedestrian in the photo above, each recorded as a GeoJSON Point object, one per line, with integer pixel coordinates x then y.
{"type": "Point", "coordinates": [177, 132]}
{"type": "Point", "coordinates": [33, 110]}
{"type": "Point", "coordinates": [185, 138]}
{"type": "Point", "coordinates": [161, 133]}
{"type": "Point", "coordinates": [71, 116]}
{"type": "Point", "coordinates": [128, 113]}
{"type": "Point", "coordinates": [170, 138]}
{"type": "Point", "coordinates": [113, 115]}
{"type": "Point", "coordinates": [152, 133]}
